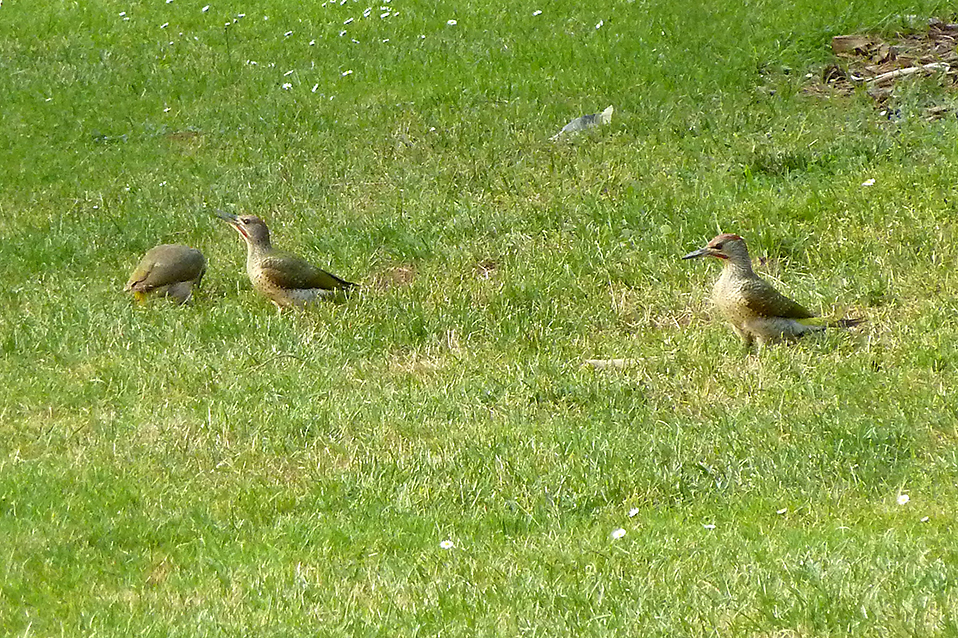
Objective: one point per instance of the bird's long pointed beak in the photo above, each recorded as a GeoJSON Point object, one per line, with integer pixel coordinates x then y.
{"type": "Point", "coordinates": [232, 220]}
{"type": "Point", "coordinates": [701, 252]}
{"type": "Point", "coordinates": [226, 216]}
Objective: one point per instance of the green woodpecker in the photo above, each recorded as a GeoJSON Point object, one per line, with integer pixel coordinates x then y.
{"type": "Point", "coordinates": [285, 279]}
{"type": "Point", "coordinates": [757, 312]}
{"type": "Point", "coordinates": [169, 270]}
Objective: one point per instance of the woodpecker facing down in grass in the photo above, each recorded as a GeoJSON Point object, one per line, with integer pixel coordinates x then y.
{"type": "Point", "coordinates": [285, 279]}
{"type": "Point", "coordinates": [169, 270]}
{"type": "Point", "coordinates": [757, 312]}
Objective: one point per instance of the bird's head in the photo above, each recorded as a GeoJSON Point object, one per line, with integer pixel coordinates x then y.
{"type": "Point", "coordinates": [250, 227]}
{"type": "Point", "coordinates": [727, 247]}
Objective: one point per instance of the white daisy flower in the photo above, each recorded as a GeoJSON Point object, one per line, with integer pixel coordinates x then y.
{"type": "Point", "coordinates": [537, 12]}
{"type": "Point", "coordinates": [869, 182]}
{"type": "Point", "coordinates": [599, 25]}
{"type": "Point", "coordinates": [287, 86]}
{"type": "Point", "coordinates": [447, 544]}
{"type": "Point", "coordinates": [633, 512]}
{"type": "Point", "coordinates": [903, 499]}
{"type": "Point", "coordinates": [617, 533]}
{"type": "Point", "coordinates": [451, 23]}
{"type": "Point", "coordinates": [709, 526]}
{"type": "Point", "coordinates": [315, 86]}
{"type": "Point", "coordinates": [347, 72]}
{"type": "Point", "coordinates": [205, 9]}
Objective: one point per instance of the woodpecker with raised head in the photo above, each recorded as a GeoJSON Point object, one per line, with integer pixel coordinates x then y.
{"type": "Point", "coordinates": [168, 270]}
{"type": "Point", "coordinates": [757, 312]}
{"type": "Point", "coordinates": [285, 279]}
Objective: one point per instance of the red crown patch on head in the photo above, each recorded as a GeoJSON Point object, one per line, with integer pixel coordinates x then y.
{"type": "Point", "coordinates": [723, 238]}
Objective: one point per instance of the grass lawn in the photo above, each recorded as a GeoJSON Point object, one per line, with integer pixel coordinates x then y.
{"type": "Point", "coordinates": [219, 469]}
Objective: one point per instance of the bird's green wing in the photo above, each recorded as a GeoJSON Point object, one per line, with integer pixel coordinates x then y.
{"type": "Point", "coordinates": [165, 265]}
{"type": "Point", "coordinates": [762, 299]}
{"type": "Point", "coordinates": [292, 273]}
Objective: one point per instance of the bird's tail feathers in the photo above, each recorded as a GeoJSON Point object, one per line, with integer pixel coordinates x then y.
{"type": "Point", "coordinates": [850, 322]}
{"type": "Point", "coordinates": [822, 322]}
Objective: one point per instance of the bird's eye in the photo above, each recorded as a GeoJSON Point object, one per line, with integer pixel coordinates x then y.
{"type": "Point", "coordinates": [718, 246]}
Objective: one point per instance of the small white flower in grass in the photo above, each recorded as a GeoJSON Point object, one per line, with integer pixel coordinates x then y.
{"type": "Point", "coordinates": [367, 12]}
{"type": "Point", "coordinates": [312, 43]}
{"type": "Point", "coordinates": [347, 72]}
{"type": "Point", "coordinates": [206, 8]}
{"type": "Point", "coordinates": [633, 512]}
{"type": "Point", "coordinates": [126, 19]}
{"type": "Point", "coordinates": [287, 34]}
{"type": "Point", "coordinates": [315, 86]}
{"type": "Point", "coordinates": [386, 40]}
{"type": "Point", "coordinates": [599, 25]}
{"type": "Point", "coordinates": [265, 17]}
{"type": "Point", "coordinates": [49, 99]}
{"type": "Point", "coordinates": [162, 183]}
{"type": "Point", "coordinates": [781, 511]}
{"type": "Point", "coordinates": [447, 544]}
{"type": "Point", "coordinates": [122, 13]}
{"type": "Point", "coordinates": [241, 15]}
{"type": "Point", "coordinates": [164, 25]}
{"type": "Point", "coordinates": [355, 41]}
{"type": "Point", "coordinates": [451, 23]}
{"type": "Point", "coordinates": [432, 128]}
{"type": "Point", "coordinates": [903, 499]}
{"type": "Point", "coordinates": [342, 33]}
{"type": "Point", "coordinates": [169, 1]}
{"type": "Point", "coordinates": [95, 207]}
{"type": "Point", "coordinates": [709, 526]}
{"type": "Point", "coordinates": [171, 43]}
{"type": "Point", "coordinates": [287, 86]}
{"type": "Point", "coordinates": [288, 73]}
{"type": "Point", "coordinates": [617, 533]}
{"type": "Point", "coordinates": [166, 110]}
{"type": "Point", "coordinates": [924, 519]}
{"type": "Point", "coordinates": [348, 20]}
{"type": "Point", "coordinates": [537, 12]}
{"type": "Point", "coordinates": [383, 15]}
{"type": "Point", "coordinates": [422, 36]}
{"type": "Point", "coordinates": [869, 182]}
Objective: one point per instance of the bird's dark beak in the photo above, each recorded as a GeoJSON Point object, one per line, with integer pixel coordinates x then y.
{"type": "Point", "coordinates": [233, 221]}
{"type": "Point", "coordinates": [227, 217]}
{"type": "Point", "coordinates": [701, 252]}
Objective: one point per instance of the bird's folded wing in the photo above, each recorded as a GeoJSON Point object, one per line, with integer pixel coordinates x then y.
{"type": "Point", "coordinates": [762, 299]}
{"type": "Point", "coordinates": [292, 273]}
{"type": "Point", "coordinates": [165, 270]}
